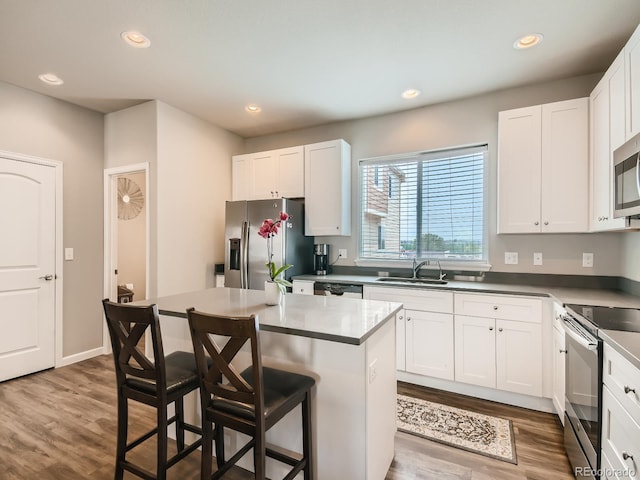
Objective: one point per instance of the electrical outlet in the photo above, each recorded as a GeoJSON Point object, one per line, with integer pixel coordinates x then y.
{"type": "Point", "coordinates": [342, 253]}
{"type": "Point", "coordinates": [373, 370]}
{"type": "Point", "coordinates": [587, 260]}
{"type": "Point", "coordinates": [511, 258]}
{"type": "Point", "coordinates": [537, 258]}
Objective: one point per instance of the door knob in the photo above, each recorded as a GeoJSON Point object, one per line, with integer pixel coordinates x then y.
{"type": "Point", "coordinates": [46, 277]}
{"type": "Point", "coordinates": [629, 389]}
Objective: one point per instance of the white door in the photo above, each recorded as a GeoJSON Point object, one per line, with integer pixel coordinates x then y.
{"type": "Point", "coordinates": [27, 267]}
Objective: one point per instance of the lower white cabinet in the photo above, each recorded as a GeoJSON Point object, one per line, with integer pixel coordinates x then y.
{"type": "Point", "coordinates": [429, 344]}
{"type": "Point", "coordinates": [424, 329]}
{"type": "Point", "coordinates": [558, 369]}
{"type": "Point", "coordinates": [302, 287]}
{"type": "Point", "coordinates": [498, 342]}
{"type": "Point", "coordinates": [475, 348]}
{"type": "Point", "coordinates": [620, 438]}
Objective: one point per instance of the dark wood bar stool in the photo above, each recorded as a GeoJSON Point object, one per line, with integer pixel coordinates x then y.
{"type": "Point", "coordinates": [250, 402]}
{"type": "Point", "coordinates": [157, 383]}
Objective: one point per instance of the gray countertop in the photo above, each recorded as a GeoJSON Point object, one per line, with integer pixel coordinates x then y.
{"type": "Point", "coordinates": [334, 319]}
{"type": "Point", "coordinates": [627, 343]}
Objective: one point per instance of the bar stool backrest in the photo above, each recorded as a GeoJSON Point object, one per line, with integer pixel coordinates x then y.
{"type": "Point", "coordinates": [127, 325]}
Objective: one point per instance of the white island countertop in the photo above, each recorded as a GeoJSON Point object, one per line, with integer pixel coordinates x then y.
{"type": "Point", "coordinates": [343, 320]}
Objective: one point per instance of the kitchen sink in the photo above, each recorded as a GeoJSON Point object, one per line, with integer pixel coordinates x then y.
{"type": "Point", "coordinates": [423, 281]}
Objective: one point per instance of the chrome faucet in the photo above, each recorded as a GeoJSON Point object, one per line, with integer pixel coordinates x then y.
{"type": "Point", "coordinates": [417, 266]}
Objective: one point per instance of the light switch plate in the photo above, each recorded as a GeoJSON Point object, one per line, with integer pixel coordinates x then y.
{"type": "Point", "coordinates": [587, 260]}
{"type": "Point", "coordinates": [511, 258]}
{"type": "Point", "coordinates": [68, 253]}
{"type": "Point", "coordinates": [537, 258]}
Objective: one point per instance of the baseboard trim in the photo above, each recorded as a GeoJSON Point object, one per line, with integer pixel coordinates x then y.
{"type": "Point", "coordinates": [78, 357]}
{"type": "Point", "coordinates": [509, 398]}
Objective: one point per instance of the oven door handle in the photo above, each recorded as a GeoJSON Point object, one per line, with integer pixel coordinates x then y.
{"type": "Point", "coordinates": [585, 342]}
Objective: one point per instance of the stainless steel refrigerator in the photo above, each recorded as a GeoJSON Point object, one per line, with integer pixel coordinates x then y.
{"type": "Point", "coordinates": [246, 252]}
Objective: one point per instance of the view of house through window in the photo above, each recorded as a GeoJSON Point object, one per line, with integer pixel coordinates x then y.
{"type": "Point", "coordinates": [427, 205]}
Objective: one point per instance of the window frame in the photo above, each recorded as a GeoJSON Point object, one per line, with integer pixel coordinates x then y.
{"type": "Point", "coordinates": [452, 264]}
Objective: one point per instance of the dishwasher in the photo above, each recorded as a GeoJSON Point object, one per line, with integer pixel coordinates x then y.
{"type": "Point", "coordinates": [347, 290]}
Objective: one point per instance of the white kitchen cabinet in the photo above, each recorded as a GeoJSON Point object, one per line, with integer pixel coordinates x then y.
{"type": "Point", "coordinates": [240, 175]}
{"type": "Point", "coordinates": [620, 437]}
{"type": "Point", "coordinates": [632, 84]}
{"type": "Point", "coordinates": [271, 174]}
{"type": "Point", "coordinates": [498, 342]}
{"type": "Point", "coordinates": [327, 183]}
{"type": "Point", "coordinates": [424, 329]}
{"type": "Point", "coordinates": [607, 126]}
{"type": "Point", "coordinates": [475, 351]}
{"type": "Point", "coordinates": [302, 287]}
{"type": "Point", "coordinates": [543, 154]}
{"type": "Point", "coordinates": [559, 361]}
{"type": "Point", "coordinates": [429, 344]}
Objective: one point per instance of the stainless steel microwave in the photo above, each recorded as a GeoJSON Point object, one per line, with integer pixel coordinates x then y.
{"type": "Point", "coordinates": [626, 183]}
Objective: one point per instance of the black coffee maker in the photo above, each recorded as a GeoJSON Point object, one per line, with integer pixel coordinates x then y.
{"type": "Point", "coordinates": [321, 258]}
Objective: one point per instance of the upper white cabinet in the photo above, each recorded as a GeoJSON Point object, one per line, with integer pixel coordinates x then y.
{"type": "Point", "coordinates": [327, 182]}
{"type": "Point", "coordinates": [543, 168]}
{"type": "Point", "coordinates": [272, 174]}
{"type": "Point", "coordinates": [632, 84]}
{"type": "Point", "coordinates": [607, 122]}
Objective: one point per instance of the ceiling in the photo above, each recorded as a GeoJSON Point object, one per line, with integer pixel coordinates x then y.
{"type": "Point", "coordinates": [304, 62]}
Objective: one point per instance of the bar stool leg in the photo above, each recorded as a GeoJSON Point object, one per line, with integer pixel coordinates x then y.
{"type": "Point", "coordinates": [307, 445]}
{"type": "Point", "coordinates": [161, 470]}
{"type": "Point", "coordinates": [121, 442]}
{"type": "Point", "coordinates": [219, 434]}
{"type": "Point", "coordinates": [179, 407]}
{"type": "Point", "coordinates": [206, 462]}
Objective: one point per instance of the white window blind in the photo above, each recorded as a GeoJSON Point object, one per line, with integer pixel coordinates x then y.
{"type": "Point", "coordinates": [427, 205]}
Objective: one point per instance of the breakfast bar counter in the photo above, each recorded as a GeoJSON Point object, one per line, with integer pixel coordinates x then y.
{"type": "Point", "coordinates": [346, 344]}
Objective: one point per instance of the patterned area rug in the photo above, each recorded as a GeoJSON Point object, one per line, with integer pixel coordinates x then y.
{"type": "Point", "coordinates": [483, 434]}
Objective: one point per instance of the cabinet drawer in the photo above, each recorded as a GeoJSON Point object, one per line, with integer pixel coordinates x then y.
{"type": "Point", "coordinates": [620, 437]}
{"type": "Point", "coordinates": [505, 307]}
{"type": "Point", "coordinates": [413, 299]}
{"type": "Point", "coordinates": [623, 380]}
{"type": "Point", "coordinates": [303, 287]}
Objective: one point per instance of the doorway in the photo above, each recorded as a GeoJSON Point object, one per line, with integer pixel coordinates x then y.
{"type": "Point", "coordinates": [30, 264]}
{"type": "Point", "coordinates": [126, 235]}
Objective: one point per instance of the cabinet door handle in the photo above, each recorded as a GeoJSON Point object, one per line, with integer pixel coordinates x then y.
{"type": "Point", "coordinates": [400, 317]}
{"type": "Point", "coordinates": [627, 456]}
{"type": "Point", "coordinates": [500, 329]}
{"type": "Point", "coordinates": [408, 319]}
{"type": "Point", "coordinates": [495, 307]}
{"type": "Point", "coordinates": [629, 389]}
{"type": "Point", "coordinates": [537, 223]}
{"type": "Point", "coordinates": [490, 328]}
{"type": "Point", "coordinates": [546, 223]}
{"type": "Point", "coordinates": [562, 350]}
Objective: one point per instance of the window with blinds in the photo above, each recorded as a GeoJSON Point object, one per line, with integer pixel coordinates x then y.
{"type": "Point", "coordinates": [428, 205]}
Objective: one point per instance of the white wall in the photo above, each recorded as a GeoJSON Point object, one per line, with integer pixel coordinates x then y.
{"type": "Point", "coordinates": [38, 125]}
{"type": "Point", "coordinates": [190, 179]}
{"type": "Point", "coordinates": [194, 181]}
{"type": "Point", "coordinates": [468, 121]}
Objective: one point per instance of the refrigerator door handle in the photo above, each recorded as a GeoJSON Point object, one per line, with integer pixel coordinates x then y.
{"type": "Point", "coordinates": [244, 255]}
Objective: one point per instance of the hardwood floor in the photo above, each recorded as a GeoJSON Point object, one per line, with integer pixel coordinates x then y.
{"type": "Point", "coordinates": [61, 424]}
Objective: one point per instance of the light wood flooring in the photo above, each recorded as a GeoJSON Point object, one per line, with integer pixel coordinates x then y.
{"type": "Point", "coordinates": [61, 424]}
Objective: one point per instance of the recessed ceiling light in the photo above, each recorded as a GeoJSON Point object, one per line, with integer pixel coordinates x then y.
{"type": "Point", "coordinates": [528, 41]}
{"type": "Point", "coordinates": [135, 39]}
{"type": "Point", "coordinates": [411, 93]}
{"type": "Point", "coordinates": [253, 108]}
{"type": "Point", "coordinates": [50, 79]}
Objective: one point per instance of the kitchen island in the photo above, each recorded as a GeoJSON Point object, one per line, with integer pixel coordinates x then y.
{"type": "Point", "coordinates": [346, 344]}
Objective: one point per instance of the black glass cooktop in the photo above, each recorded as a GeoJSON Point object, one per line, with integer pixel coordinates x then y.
{"type": "Point", "coordinates": [610, 318]}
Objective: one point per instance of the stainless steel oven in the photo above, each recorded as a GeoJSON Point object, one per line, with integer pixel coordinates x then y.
{"type": "Point", "coordinates": [583, 390]}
